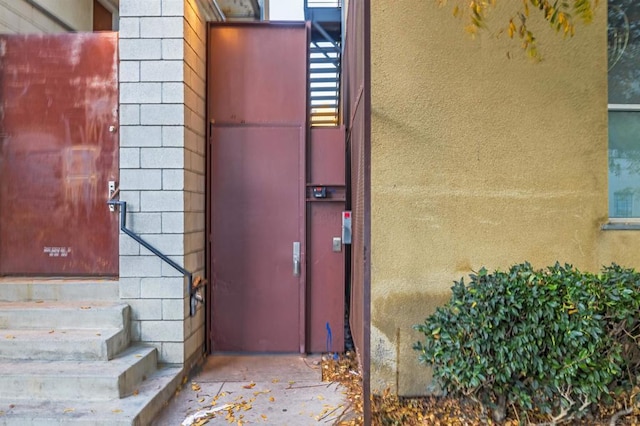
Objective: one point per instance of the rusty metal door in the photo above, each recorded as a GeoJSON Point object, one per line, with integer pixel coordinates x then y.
{"type": "Point", "coordinates": [257, 101]}
{"type": "Point", "coordinates": [58, 152]}
{"type": "Point", "coordinates": [258, 219]}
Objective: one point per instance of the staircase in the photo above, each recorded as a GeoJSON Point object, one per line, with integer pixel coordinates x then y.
{"type": "Point", "coordinates": [324, 61]}
{"type": "Point", "coordinates": [64, 360]}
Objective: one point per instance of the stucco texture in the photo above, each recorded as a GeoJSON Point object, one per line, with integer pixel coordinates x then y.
{"type": "Point", "coordinates": [480, 157]}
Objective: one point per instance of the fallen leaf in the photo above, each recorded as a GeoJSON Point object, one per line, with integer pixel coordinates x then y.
{"type": "Point", "coordinates": [52, 331]}
{"type": "Point", "coordinates": [249, 386]}
{"type": "Point", "coordinates": [264, 417]}
{"type": "Point", "coordinates": [39, 301]}
{"type": "Point", "coordinates": [275, 380]}
{"type": "Point", "coordinates": [9, 336]}
{"type": "Point", "coordinates": [138, 356]}
{"type": "Point", "coordinates": [136, 392]}
{"type": "Point", "coordinates": [321, 398]}
{"type": "Point", "coordinates": [117, 411]}
{"type": "Point", "coordinates": [69, 410]}
{"type": "Point", "coordinates": [272, 399]}
{"type": "Point", "coordinates": [98, 334]}
{"type": "Point", "coordinates": [201, 400]}
{"type": "Point", "coordinates": [195, 387]}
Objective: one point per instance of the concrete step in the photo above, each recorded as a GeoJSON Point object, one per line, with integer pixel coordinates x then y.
{"type": "Point", "coordinates": [81, 380]}
{"type": "Point", "coordinates": [60, 315]}
{"type": "Point", "coordinates": [134, 410]}
{"type": "Point", "coordinates": [63, 344]}
{"type": "Point", "coordinates": [23, 289]}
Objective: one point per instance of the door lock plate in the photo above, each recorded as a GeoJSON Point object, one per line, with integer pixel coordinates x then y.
{"type": "Point", "coordinates": [337, 244]}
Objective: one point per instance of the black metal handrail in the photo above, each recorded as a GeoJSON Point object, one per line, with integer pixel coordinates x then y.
{"type": "Point", "coordinates": [174, 265]}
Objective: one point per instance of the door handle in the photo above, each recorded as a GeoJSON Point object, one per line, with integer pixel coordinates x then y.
{"type": "Point", "coordinates": [296, 259]}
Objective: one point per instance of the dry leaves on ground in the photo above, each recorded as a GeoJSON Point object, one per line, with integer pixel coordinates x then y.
{"type": "Point", "coordinates": [389, 409]}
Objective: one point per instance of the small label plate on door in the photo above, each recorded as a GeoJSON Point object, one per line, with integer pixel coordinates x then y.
{"type": "Point", "coordinates": [337, 244]}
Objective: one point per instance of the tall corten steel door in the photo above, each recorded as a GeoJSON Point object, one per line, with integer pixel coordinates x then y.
{"type": "Point", "coordinates": [58, 153]}
{"type": "Point", "coordinates": [257, 106]}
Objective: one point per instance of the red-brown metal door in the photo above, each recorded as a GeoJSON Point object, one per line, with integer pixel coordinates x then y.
{"type": "Point", "coordinates": [58, 152]}
{"type": "Point", "coordinates": [257, 104]}
{"type": "Point", "coordinates": [257, 220]}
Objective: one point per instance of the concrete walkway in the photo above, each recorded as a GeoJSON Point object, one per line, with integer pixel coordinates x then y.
{"type": "Point", "coordinates": [265, 389]}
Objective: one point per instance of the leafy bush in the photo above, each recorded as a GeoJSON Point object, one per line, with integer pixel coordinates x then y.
{"type": "Point", "coordinates": [550, 341]}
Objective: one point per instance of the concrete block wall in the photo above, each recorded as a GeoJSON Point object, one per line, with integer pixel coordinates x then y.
{"type": "Point", "coordinates": [162, 168]}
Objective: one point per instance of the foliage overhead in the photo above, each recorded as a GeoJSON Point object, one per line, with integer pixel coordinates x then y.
{"type": "Point", "coordinates": [560, 14]}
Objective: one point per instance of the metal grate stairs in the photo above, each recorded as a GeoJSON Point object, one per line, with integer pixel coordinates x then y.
{"type": "Point", "coordinates": [324, 83]}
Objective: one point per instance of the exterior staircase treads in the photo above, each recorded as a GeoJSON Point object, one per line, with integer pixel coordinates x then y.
{"type": "Point", "coordinates": [82, 380]}
{"type": "Point", "coordinates": [134, 410]}
{"type": "Point", "coordinates": [85, 344]}
{"type": "Point", "coordinates": [57, 315]}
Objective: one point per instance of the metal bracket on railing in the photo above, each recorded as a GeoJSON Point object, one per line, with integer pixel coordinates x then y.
{"type": "Point", "coordinates": [194, 287]}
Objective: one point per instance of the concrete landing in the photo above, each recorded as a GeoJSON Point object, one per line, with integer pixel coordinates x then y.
{"type": "Point", "coordinates": [259, 389]}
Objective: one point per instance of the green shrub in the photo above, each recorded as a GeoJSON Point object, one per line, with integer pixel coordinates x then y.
{"type": "Point", "coordinates": [550, 341]}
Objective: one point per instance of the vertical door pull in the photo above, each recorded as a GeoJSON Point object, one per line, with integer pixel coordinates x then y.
{"type": "Point", "coordinates": [296, 259]}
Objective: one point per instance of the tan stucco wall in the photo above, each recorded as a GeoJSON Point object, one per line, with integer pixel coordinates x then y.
{"type": "Point", "coordinates": [478, 160]}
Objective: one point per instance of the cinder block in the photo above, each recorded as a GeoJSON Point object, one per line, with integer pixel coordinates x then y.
{"type": "Point", "coordinates": [191, 180]}
{"type": "Point", "coordinates": [140, 136]}
{"type": "Point", "coordinates": [129, 71]}
{"type": "Point", "coordinates": [140, 93]}
{"type": "Point", "coordinates": [135, 331]}
{"type": "Point", "coordinates": [194, 221]}
{"type": "Point", "coordinates": [163, 288]}
{"type": "Point", "coordinates": [162, 158]}
{"type": "Point", "coordinates": [141, 179]}
{"type": "Point", "coordinates": [193, 261]}
{"type": "Point", "coordinates": [173, 48]}
{"type": "Point", "coordinates": [138, 48]}
{"type": "Point", "coordinates": [169, 272]}
{"type": "Point", "coordinates": [173, 93]}
{"type": "Point", "coordinates": [129, 287]}
{"type": "Point", "coordinates": [162, 331]}
{"type": "Point", "coordinates": [197, 162]}
{"type": "Point", "coordinates": [167, 244]}
{"type": "Point", "coordinates": [173, 309]}
{"type": "Point", "coordinates": [129, 158]}
{"type": "Point", "coordinates": [128, 246]}
{"type": "Point", "coordinates": [173, 222]}
{"type": "Point", "coordinates": [129, 27]}
{"type": "Point", "coordinates": [173, 7]}
{"type": "Point", "coordinates": [129, 115]}
{"type": "Point", "coordinates": [133, 201]}
{"type": "Point", "coordinates": [168, 114]}
{"type": "Point", "coordinates": [162, 201]}
{"type": "Point", "coordinates": [140, 8]}
{"type": "Point", "coordinates": [162, 27]}
{"type": "Point", "coordinates": [173, 179]}
{"type": "Point", "coordinates": [162, 70]}
{"type": "Point", "coordinates": [140, 266]}
{"type": "Point", "coordinates": [146, 309]}
{"type": "Point", "coordinates": [173, 135]}
{"type": "Point", "coordinates": [145, 223]}
{"type": "Point", "coordinates": [193, 344]}
{"type": "Point", "coordinates": [172, 353]}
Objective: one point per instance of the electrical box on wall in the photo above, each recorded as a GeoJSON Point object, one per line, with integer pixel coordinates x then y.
{"type": "Point", "coordinates": [319, 192]}
{"type": "Point", "coordinates": [346, 227]}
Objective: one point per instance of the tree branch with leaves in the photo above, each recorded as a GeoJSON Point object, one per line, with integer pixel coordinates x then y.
{"type": "Point", "coordinates": [560, 14]}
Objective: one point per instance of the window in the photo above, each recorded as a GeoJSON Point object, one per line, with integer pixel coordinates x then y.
{"type": "Point", "coordinates": [624, 107]}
